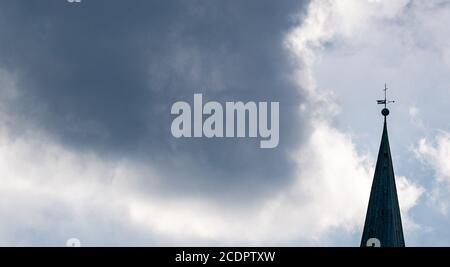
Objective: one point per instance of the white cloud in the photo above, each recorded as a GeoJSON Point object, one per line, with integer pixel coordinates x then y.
{"type": "Point", "coordinates": [50, 192]}
{"type": "Point", "coordinates": [54, 191]}
{"type": "Point", "coordinates": [436, 154]}
{"type": "Point", "coordinates": [338, 166]}
{"type": "Point", "coordinates": [353, 47]}
{"type": "Point", "coordinates": [329, 21]}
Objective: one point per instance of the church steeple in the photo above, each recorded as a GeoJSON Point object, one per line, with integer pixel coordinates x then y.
{"type": "Point", "coordinates": [383, 225]}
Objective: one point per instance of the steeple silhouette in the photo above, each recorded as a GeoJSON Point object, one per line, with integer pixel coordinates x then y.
{"type": "Point", "coordinates": [383, 225]}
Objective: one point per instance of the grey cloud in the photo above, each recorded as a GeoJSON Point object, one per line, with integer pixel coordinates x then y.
{"type": "Point", "coordinates": [102, 76]}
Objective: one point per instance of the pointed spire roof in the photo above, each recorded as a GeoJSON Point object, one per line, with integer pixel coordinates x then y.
{"type": "Point", "coordinates": [383, 220]}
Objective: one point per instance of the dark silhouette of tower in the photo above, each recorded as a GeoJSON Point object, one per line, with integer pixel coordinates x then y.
{"type": "Point", "coordinates": [383, 225]}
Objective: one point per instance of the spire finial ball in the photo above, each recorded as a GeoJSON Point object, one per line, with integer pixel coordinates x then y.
{"type": "Point", "coordinates": [385, 112]}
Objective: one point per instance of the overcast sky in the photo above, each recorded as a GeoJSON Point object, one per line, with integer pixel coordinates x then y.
{"type": "Point", "coordinates": [85, 144]}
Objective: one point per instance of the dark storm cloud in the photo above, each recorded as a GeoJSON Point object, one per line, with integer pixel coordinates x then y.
{"type": "Point", "coordinates": [103, 75]}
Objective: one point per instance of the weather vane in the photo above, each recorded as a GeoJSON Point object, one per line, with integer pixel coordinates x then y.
{"type": "Point", "coordinates": [384, 102]}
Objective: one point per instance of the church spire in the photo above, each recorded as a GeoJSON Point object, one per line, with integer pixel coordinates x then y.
{"type": "Point", "coordinates": [383, 225]}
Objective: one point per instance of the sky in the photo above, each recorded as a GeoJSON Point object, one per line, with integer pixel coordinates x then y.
{"type": "Point", "coordinates": [86, 91]}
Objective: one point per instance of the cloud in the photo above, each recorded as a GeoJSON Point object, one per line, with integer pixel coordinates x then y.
{"type": "Point", "coordinates": [343, 23]}
{"type": "Point", "coordinates": [58, 193]}
{"type": "Point", "coordinates": [364, 44]}
{"type": "Point", "coordinates": [436, 154]}
{"type": "Point", "coordinates": [86, 149]}
{"type": "Point", "coordinates": [107, 82]}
